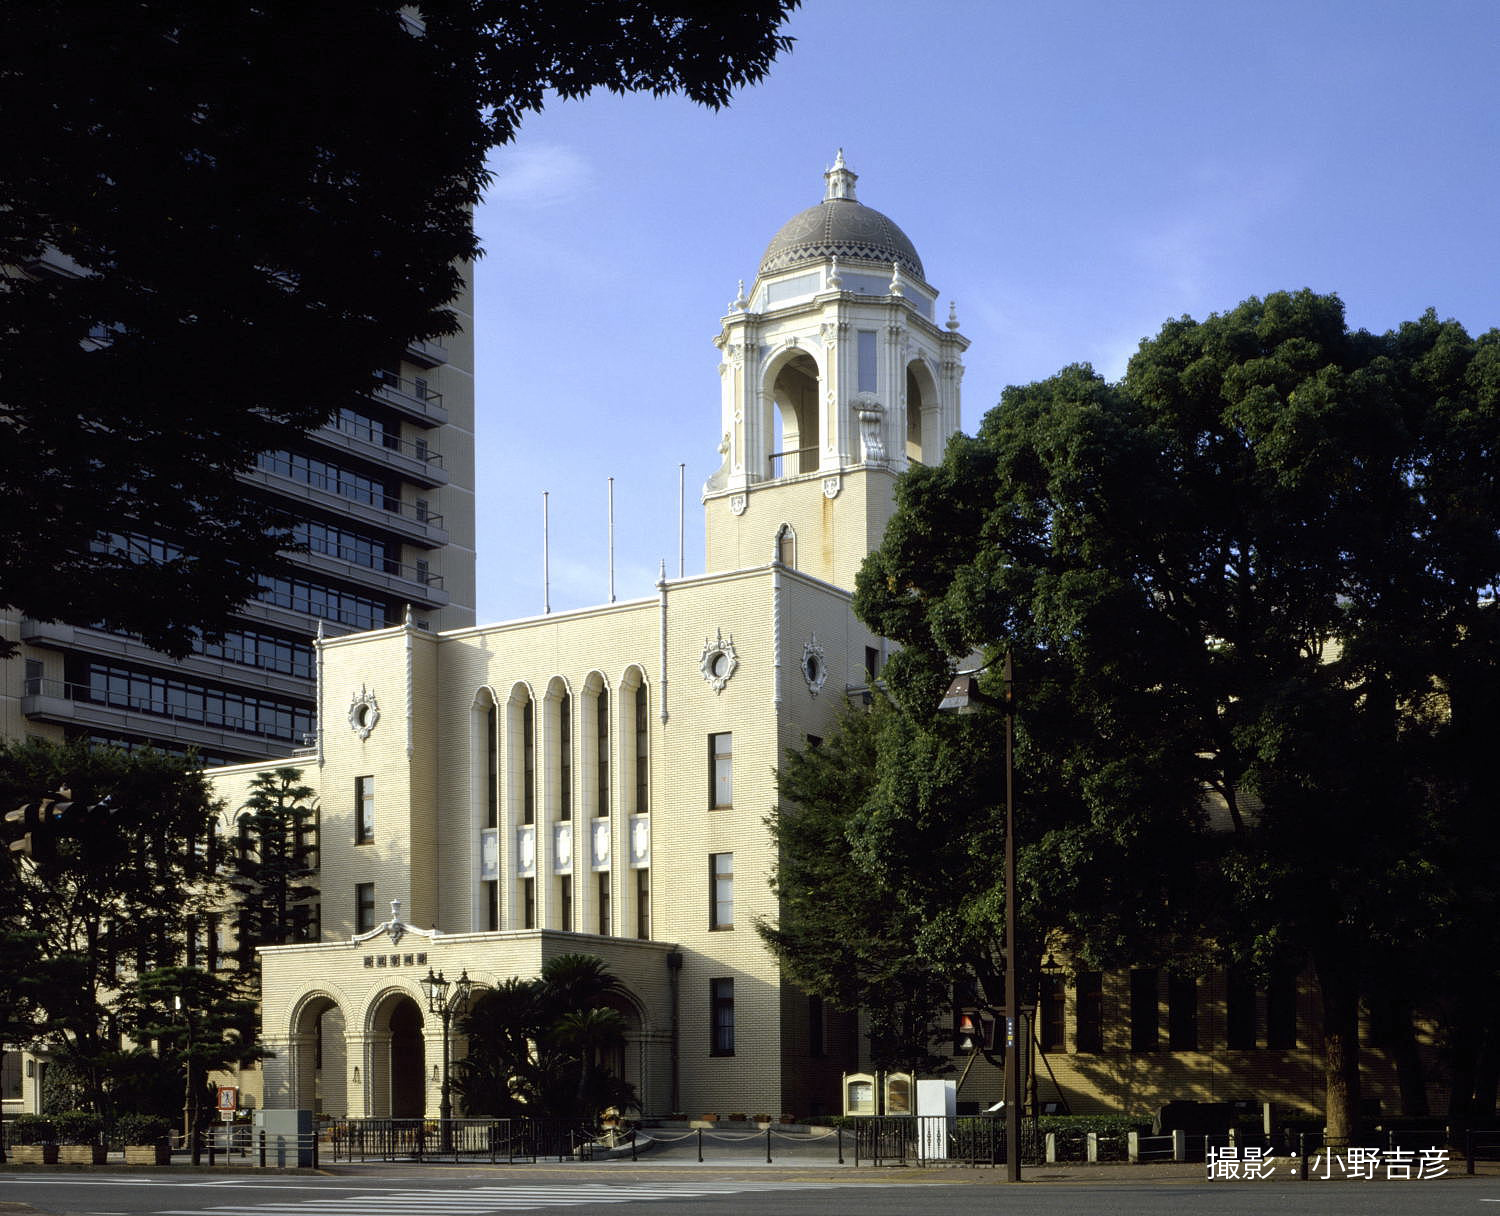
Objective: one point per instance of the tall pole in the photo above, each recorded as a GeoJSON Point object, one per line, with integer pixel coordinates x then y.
{"type": "Point", "coordinates": [1012, 962]}
{"type": "Point", "coordinates": [445, 1101]}
{"type": "Point", "coordinates": [546, 574]}
{"type": "Point", "coordinates": [611, 540]}
{"type": "Point", "coordinates": [681, 518]}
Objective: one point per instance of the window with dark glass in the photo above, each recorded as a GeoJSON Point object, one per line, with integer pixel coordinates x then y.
{"type": "Point", "coordinates": [565, 757]}
{"type": "Point", "coordinates": [1050, 1014]}
{"type": "Point", "coordinates": [643, 904]}
{"type": "Point", "coordinates": [1182, 1011]}
{"type": "Point", "coordinates": [528, 765]}
{"type": "Point", "coordinates": [364, 907]}
{"type": "Point", "coordinates": [1088, 1011]}
{"type": "Point", "coordinates": [1281, 1011]}
{"type": "Point", "coordinates": [492, 767]}
{"type": "Point", "coordinates": [817, 1027]}
{"type": "Point", "coordinates": [601, 737]}
{"type": "Point", "coordinates": [528, 903]}
{"type": "Point", "coordinates": [10, 1075]}
{"type": "Point", "coordinates": [1239, 994]}
{"type": "Point", "coordinates": [565, 903]}
{"type": "Point", "coordinates": [1144, 1010]}
{"type": "Point", "coordinates": [642, 753]}
{"type": "Point", "coordinates": [872, 663]}
{"type": "Point", "coordinates": [721, 1002]}
{"type": "Point", "coordinates": [491, 894]}
{"type": "Point", "coordinates": [364, 810]}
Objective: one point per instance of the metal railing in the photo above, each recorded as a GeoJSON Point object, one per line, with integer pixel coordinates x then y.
{"type": "Point", "coordinates": [493, 1140]}
{"type": "Point", "coordinates": [414, 449]}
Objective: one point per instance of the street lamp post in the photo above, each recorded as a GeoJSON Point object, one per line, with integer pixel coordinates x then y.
{"type": "Point", "coordinates": [963, 696]}
{"type": "Point", "coordinates": [445, 998]}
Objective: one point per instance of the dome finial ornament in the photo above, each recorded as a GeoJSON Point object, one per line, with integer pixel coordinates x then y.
{"type": "Point", "coordinates": [896, 289]}
{"type": "Point", "coordinates": [835, 279]}
{"type": "Point", "coordinates": [953, 316]}
{"type": "Point", "coordinates": [739, 303]}
{"type": "Point", "coordinates": [840, 179]}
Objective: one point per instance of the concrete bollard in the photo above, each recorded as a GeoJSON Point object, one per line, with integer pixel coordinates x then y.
{"type": "Point", "coordinates": [1179, 1145]}
{"type": "Point", "coordinates": [1133, 1147]}
{"type": "Point", "coordinates": [1091, 1147]}
{"type": "Point", "coordinates": [1051, 1148]}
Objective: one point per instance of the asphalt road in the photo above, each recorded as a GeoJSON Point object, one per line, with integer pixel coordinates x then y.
{"type": "Point", "coordinates": [622, 1190]}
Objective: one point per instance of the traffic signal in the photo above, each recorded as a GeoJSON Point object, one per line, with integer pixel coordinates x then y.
{"type": "Point", "coordinates": [36, 821]}
{"type": "Point", "coordinates": [975, 1031]}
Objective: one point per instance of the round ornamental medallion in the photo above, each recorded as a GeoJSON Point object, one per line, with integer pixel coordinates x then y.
{"type": "Point", "coordinates": [719, 661]}
{"type": "Point", "coordinates": [814, 665]}
{"type": "Point", "coordinates": [364, 712]}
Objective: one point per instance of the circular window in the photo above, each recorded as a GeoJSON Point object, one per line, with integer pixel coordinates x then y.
{"type": "Point", "coordinates": [719, 661]}
{"type": "Point", "coordinates": [718, 665]}
{"type": "Point", "coordinates": [812, 668]}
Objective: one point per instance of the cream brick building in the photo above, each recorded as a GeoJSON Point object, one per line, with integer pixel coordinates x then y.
{"type": "Point", "coordinates": [599, 780]}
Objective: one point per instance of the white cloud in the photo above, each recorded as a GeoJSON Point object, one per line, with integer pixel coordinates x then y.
{"type": "Point", "coordinates": [536, 175]}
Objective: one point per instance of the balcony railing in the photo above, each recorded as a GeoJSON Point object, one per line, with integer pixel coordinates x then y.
{"type": "Point", "coordinates": [167, 706]}
{"type": "Point", "coordinates": [412, 396]}
{"type": "Point", "coordinates": [270, 462]}
{"type": "Point", "coordinates": [416, 573]}
{"type": "Point", "coordinates": [412, 449]}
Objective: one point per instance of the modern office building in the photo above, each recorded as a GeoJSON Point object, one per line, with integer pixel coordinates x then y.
{"type": "Point", "coordinates": [385, 497]}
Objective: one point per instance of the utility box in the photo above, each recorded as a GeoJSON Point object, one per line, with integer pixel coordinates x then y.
{"type": "Point", "coordinates": [288, 1136]}
{"type": "Point", "coordinates": [937, 1104]}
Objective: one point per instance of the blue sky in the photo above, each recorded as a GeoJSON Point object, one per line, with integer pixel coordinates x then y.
{"type": "Point", "coordinates": [1072, 175]}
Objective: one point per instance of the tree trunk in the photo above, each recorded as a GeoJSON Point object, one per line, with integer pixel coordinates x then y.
{"type": "Point", "coordinates": [1336, 979]}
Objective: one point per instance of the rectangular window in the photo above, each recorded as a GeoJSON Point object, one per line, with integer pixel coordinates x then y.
{"type": "Point", "coordinates": [1088, 1011]}
{"type": "Point", "coordinates": [601, 735]}
{"type": "Point", "coordinates": [1182, 1011]}
{"type": "Point", "coordinates": [721, 890]}
{"type": "Point", "coordinates": [817, 1027]}
{"type": "Point", "coordinates": [10, 1075]}
{"type": "Point", "coordinates": [491, 896]}
{"type": "Point", "coordinates": [604, 904]}
{"type": "Point", "coordinates": [528, 903]}
{"type": "Point", "coordinates": [364, 907]}
{"type": "Point", "coordinates": [528, 765]}
{"type": "Point", "coordinates": [1144, 1009]}
{"type": "Point", "coordinates": [364, 810]}
{"type": "Point", "coordinates": [643, 904]}
{"type": "Point", "coordinates": [1239, 993]}
{"type": "Point", "coordinates": [492, 767]}
{"type": "Point", "coordinates": [865, 352]}
{"type": "Point", "coordinates": [721, 1000]}
{"type": "Point", "coordinates": [565, 903]}
{"type": "Point", "coordinates": [642, 753]}
{"type": "Point", "coordinates": [721, 770]}
{"type": "Point", "coordinates": [1281, 1011]}
{"type": "Point", "coordinates": [1050, 1015]}
{"type": "Point", "coordinates": [872, 663]}
{"type": "Point", "coordinates": [565, 757]}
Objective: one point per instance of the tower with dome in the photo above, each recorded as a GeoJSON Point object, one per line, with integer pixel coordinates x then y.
{"type": "Point", "coordinates": [597, 781]}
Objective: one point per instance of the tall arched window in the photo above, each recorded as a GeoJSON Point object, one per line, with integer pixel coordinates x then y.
{"type": "Point", "coordinates": [601, 736]}
{"type": "Point", "coordinates": [565, 757]}
{"type": "Point", "coordinates": [786, 547]}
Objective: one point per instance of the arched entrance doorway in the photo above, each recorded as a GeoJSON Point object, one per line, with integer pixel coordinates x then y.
{"type": "Point", "coordinates": [323, 1063]}
{"type": "Point", "coordinates": [397, 1058]}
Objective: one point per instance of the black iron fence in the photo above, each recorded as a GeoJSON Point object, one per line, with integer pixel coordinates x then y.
{"type": "Point", "coordinates": [492, 1140]}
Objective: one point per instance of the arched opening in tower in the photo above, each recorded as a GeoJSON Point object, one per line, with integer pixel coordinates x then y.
{"type": "Point", "coordinates": [795, 394]}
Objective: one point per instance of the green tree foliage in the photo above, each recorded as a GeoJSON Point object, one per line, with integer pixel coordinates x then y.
{"type": "Point", "coordinates": [106, 897]}
{"type": "Point", "coordinates": [191, 1023]}
{"type": "Point", "coordinates": [273, 864]}
{"type": "Point", "coordinates": [248, 207]}
{"type": "Point", "coordinates": [840, 932]}
{"type": "Point", "coordinates": [547, 1047]}
{"type": "Point", "coordinates": [1250, 594]}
